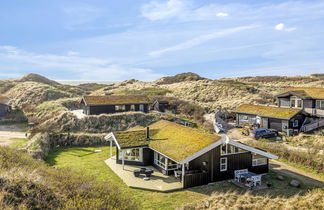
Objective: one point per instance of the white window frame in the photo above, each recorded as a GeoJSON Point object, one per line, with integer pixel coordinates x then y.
{"type": "Point", "coordinates": [296, 100]}
{"type": "Point", "coordinates": [164, 164]}
{"type": "Point", "coordinates": [259, 162]}
{"type": "Point", "coordinates": [132, 107]}
{"type": "Point", "coordinates": [141, 107]}
{"type": "Point", "coordinates": [223, 164]}
{"type": "Point", "coordinates": [129, 158]}
{"type": "Point", "coordinates": [120, 107]}
{"type": "Point", "coordinates": [226, 149]}
{"type": "Point", "coordinates": [320, 104]}
{"type": "Point", "coordinates": [295, 123]}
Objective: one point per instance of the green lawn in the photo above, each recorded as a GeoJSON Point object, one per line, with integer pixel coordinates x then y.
{"type": "Point", "coordinates": [18, 142]}
{"type": "Point", "coordinates": [85, 160]}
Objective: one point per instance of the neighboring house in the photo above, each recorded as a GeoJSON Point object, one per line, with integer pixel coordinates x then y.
{"type": "Point", "coordinates": [94, 105]}
{"type": "Point", "coordinates": [311, 100]}
{"type": "Point", "coordinates": [4, 106]}
{"type": "Point", "coordinates": [200, 157]}
{"type": "Point", "coordinates": [160, 106]}
{"type": "Point", "coordinates": [288, 120]}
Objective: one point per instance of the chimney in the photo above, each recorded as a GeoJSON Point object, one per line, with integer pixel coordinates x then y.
{"type": "Point", "coordinates": [147, 133]}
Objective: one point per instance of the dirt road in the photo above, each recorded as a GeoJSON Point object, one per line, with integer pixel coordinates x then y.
{"type": "Point", "coordinates": [296, 173]}
{"type": "Point", "coordinates": [10, 131]}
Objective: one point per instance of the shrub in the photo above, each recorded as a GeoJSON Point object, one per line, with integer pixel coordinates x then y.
{"type": "Point", "coordinates": [26, 183]}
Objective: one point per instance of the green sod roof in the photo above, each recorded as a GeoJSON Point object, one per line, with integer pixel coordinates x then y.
{"type": "Point", "coordinates": [307, 92]}
{"type": "Point", "coordinates": [267, 111]}
{"type": "Point", "coordinates": [171, 139]}
{"type": "Point", "coordinates": [116, 99]}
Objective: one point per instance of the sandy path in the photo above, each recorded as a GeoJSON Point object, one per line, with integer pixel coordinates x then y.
{"type": "Point", "coordinates": [307, 178]}
{"type": "Point", "coordinates": [10, 131]}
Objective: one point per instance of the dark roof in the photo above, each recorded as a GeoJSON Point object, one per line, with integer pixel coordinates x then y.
{"type": "Point", "coordinates": [116, 99]}
{"type": "Point", "coordinates": [4, 100]}
{"type": "Point", "coordinates": [171, 139]}
{"type": "Point", "coordinates": [268, 111]}
{"type": "Point", "coordinates": [304, 92]}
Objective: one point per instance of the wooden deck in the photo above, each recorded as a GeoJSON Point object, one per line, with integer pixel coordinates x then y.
{"type": "Point", "coordinates": [158, 181]}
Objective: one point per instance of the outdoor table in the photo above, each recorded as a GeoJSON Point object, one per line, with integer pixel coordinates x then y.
{"type": "Point", "coordinates": [247, 175]}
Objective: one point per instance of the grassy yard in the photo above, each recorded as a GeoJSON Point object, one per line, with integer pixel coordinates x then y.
{"type": "Point", "coordinates": [85, 160]}
{"type": "Point", "coordinates": [18, 142]}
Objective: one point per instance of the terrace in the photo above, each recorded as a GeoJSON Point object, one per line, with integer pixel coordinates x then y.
{"type": "Point", "coordinates": [158, 181]}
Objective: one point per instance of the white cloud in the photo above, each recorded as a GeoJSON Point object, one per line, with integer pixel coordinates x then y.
{"type": "Point", "coordinates": [201, 39]}
{"type": "Point", "coordinates": [282, 27]}
{"type": "Point", "coordinates": [159, 11]}
{"type": "Point", "coordinates": [85, 68]}
{"type": "Point", "coordinates": [279, 27]}
{"type": "Point", "coordinates": [222, 14]}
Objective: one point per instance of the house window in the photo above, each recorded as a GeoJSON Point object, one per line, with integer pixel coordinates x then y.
{"type": "Point", "coordinates": [296, 102]}
{"type": "Point", "coordinates": [120, 107]}
{"type": "Point", "coordinates": [227, 149]}
{"type": "Point", "coordinates": [299, 103]}
{"type": "Point", "coordinates": [132, 154]}
{"type": "Point", "coordinates": [223, 164]}
{"type": "Point", "coordinates": [132, 107]}
{"type": "Point", "coordinates": [141, 107]}
{"type": "Point", "coordinates": [320, 104]}
{"type": "Point", "coordinates": [258, 160]}
{"type": "Point", "coordinates": [295, 123]}
{"type": "Point", "coordinates": [293, 101]}
{"type": "Point", "coordinates": [164, 162]}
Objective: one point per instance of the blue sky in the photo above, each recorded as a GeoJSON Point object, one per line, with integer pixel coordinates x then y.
{"type": "Point", "coordinates": [147, 39]}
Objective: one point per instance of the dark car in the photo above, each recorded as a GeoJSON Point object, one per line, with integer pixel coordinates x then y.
{"type": "Point", "coordinates": [263, 133]}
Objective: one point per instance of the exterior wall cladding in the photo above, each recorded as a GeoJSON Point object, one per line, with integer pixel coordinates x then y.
{"type": "Point", "coordinates": [234, 162]}
{"type": "Point", "coordinates": [108, 109]}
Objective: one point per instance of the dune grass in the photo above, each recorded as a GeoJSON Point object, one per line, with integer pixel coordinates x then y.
{"type": "Point", "coordinates": [18, 142]}
{"type": "Point", "coordinates": [87, 161]}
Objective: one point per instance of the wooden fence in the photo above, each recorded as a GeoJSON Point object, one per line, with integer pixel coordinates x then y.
{"type": "Point", "coordinates": [312, 126]}
{"type": "Point", "coordinates": [197, 179]}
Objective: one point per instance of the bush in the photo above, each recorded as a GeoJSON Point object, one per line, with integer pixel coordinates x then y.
{"type": "Point", "coordinates": [26, 183]}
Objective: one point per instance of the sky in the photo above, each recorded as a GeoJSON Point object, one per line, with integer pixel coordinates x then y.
{"type": "Point", "coordinates": [148, 39]}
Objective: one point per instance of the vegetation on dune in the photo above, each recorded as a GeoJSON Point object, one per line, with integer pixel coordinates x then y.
{"type": "Point", "coordinates": [310, 159]}
{"type": "Point", "coordinates": [18, 142]}
{"type": "Point", "coordinates": [151, 91]}
{"type": "Point", "coordinates": [37, 186]}
{"type": "Point", "coordinates": [179, 78]}
{"type": "Point", "coordinates": [230, 200]}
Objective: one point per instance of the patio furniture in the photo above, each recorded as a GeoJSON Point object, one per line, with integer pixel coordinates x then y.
{"type": "Point", "coordinates": [237, 174]}
{"type": "Point", "coordinates": [147, 172]}
{"type": "Point", "coordinates": [137, 173]}
{"type": "Point", "coordinates": [177, 174]}
{"type": "Point", "coordinates": [251, 179]}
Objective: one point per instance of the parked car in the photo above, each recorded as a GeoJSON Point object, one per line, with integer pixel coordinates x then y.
{"type": "Point", "coordinates": [263, 133]}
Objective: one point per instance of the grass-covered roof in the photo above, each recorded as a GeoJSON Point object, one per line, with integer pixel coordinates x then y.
{"type": "Point", "coordinates": [307, 92]}
{"type": "Point", "coordinates": [267, 111]}
{"type": "Point", "coordinates": [171, 139]}
{"type": "Point", "coordinates": [116, 99]}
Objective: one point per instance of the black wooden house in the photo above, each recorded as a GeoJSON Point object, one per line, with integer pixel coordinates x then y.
{"type": "Point", "coordinates": [95, 105]}
{"type": "Point", "coordinates": [202, 158]}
